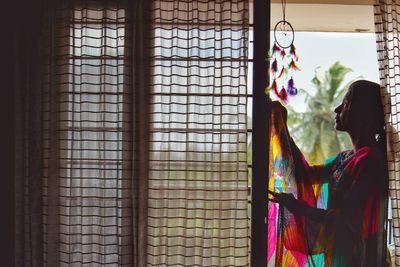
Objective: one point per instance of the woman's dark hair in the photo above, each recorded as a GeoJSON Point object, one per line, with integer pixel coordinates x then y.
{"type": "Point", "coordinates": [366, 99]}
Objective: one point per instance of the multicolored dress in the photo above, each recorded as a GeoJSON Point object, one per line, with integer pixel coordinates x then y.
{"type": "Point", "coordinates": [349, 195]}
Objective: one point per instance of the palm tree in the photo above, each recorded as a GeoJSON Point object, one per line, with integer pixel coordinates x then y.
{"type": "Point", "coordinates": [313, 130]}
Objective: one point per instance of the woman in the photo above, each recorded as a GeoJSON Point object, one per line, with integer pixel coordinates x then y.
{"type": "Point", "coordinates": [350, 231]}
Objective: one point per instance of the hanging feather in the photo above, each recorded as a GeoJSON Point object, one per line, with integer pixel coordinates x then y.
{"type": "Point", "coordinates": [293, 65]}
{"type": "Point", "coordinates": [274, 66]}
{"type": "Point", "coordinates": [291, 90]}
{"type": "Point", "coordinates": [283, 53]}
{"type": "Point", "coordinates": [283, 95]}
{"type": "Point", "coordinates": [291, 83]}
{"type": "Point", "coordinates": [283, 72]}
{"type": "Point", "coordinates": [293, 52]}
{"type": "Point", "coordinates": [275, 49]}
{"type": "Point", "coordinates": [274, 87]}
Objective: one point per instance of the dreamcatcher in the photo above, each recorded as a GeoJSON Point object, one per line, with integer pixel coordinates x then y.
{"type": "Point", "coordinates": [283, 59]}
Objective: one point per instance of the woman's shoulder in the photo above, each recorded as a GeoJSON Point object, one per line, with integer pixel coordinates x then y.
{"type": "Point", "coordinates": [368, 153]}
{"type": "Point", "coordinates": [368, 157]}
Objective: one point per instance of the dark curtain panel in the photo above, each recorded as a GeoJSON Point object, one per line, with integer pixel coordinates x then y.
{"type": "Point", "coordinates": [81, 145]}
{"type": "Point", "coordinates": [29, 67]}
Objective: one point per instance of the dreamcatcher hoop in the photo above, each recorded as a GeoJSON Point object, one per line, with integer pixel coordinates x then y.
{"type": "Point", "coordinates": [283, 60]}
{"type": "Point", "coordinates": [284, 34]}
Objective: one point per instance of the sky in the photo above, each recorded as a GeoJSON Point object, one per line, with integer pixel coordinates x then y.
{"type": "Point", "coordinates": [316, 49]}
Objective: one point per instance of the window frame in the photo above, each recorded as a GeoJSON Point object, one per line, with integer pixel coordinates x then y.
{"type": "Point", "coordinates": [260, 133]}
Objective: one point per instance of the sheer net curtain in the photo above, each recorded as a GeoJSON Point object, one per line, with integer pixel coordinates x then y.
{"type": "Point", "coordinates": [197, 213]}
{"type": "Point", "coordinates": [387, 27]}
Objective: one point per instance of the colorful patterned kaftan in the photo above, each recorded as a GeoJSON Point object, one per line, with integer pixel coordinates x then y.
{"type": "Point", "coordinates": [349, 190]}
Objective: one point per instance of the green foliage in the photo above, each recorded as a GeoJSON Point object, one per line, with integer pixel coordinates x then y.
{"type": "Point", "coordinates": [313, 130]}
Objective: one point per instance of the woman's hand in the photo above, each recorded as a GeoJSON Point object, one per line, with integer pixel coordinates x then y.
{"type": "Point", "coordinates": [287, 200]}
{"type": "Point", "coordinates": [299, 207]}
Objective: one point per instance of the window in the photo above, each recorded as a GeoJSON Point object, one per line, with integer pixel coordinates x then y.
{"type": "Point", "coordinates": [197, 200]}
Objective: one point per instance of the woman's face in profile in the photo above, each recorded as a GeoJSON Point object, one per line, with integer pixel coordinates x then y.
{"type": "Point", "coordinates": [343, 112]}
